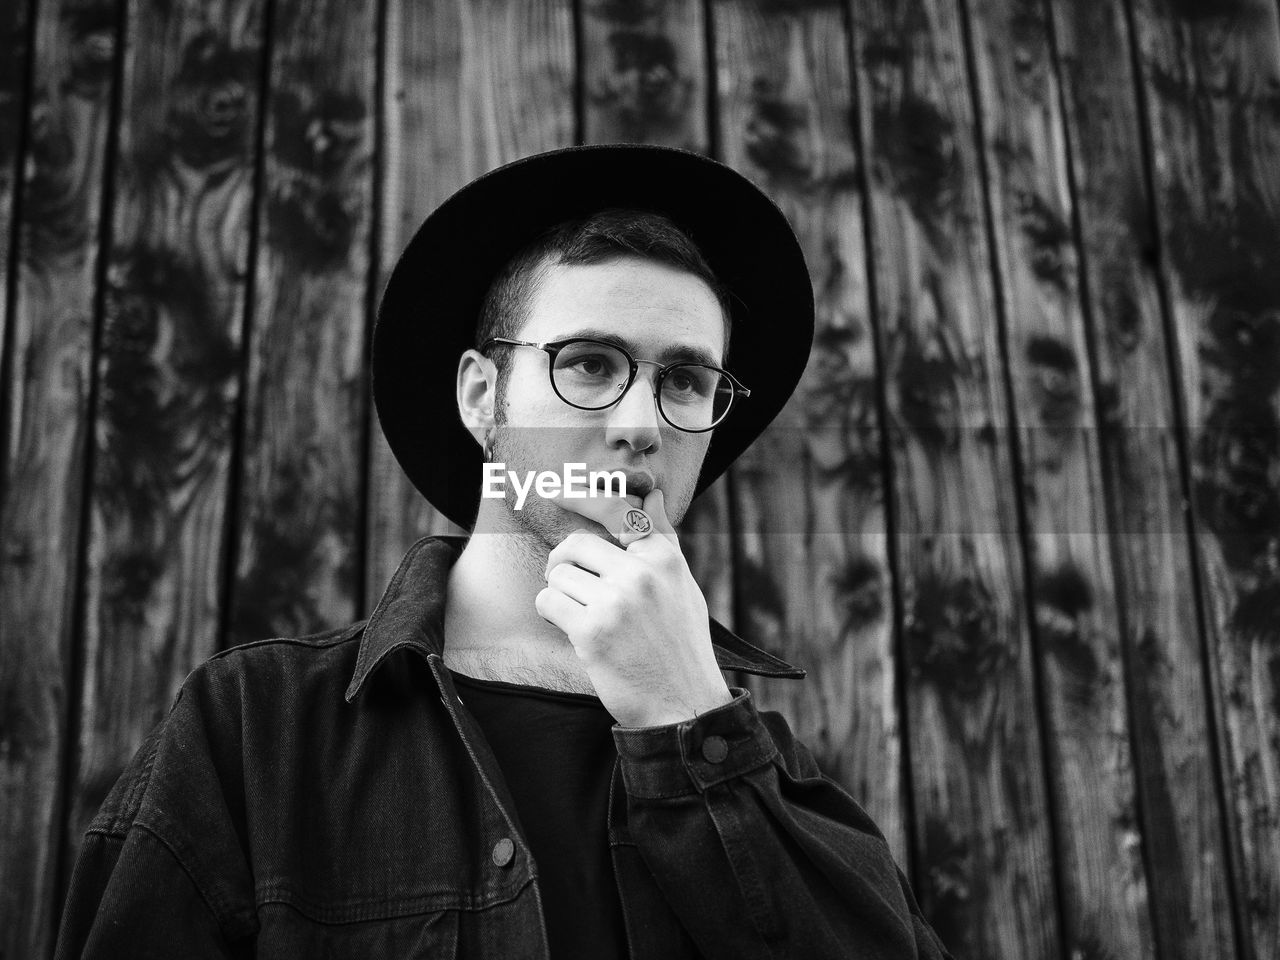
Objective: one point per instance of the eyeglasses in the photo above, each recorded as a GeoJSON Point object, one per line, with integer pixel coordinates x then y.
{"type": "Point", "coordinates": [592, 375]}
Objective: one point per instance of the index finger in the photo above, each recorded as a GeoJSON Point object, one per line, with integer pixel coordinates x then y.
{"type": "Point", "coordinates": [655, 505]}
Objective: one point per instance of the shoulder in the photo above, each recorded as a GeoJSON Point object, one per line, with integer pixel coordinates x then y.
{"type": "Point", "coordinates": [232, 695]}
{"type": "Point", "coordinates": [278, 671]}
{"type": "Point", "coordinates": [313, 651]}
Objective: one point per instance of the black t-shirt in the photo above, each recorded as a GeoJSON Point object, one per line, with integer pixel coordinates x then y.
{"type": "Point", "coordinates": [557, 754]}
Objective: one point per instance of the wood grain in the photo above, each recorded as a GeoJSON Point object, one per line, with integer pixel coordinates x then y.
{"type": "Point", "coordinates": [986, 871]}
{"type": "Point", "coordinates": [300, 496]}
{"type": "Point", "coordinates": [168, 373]}
{"type": "Point", "coordinates": [1211, 74]}
{"type": "Point", "coordinates": [813, 570]}
{"type": "Point", "coordinates": [644, 72]}
{"type": "Point", "coordinates": [15, 27]}
{"type": "Point", "coordinates": [1179, 812]}
{"type": "Point", "coordinates": [1177, 247]}
{"type": "Point", "coordinates": [47, 411]}
{"type": "Point", "coordinates": [470, 85]}
{"type": "Point", "coordinates": [1073, 581]}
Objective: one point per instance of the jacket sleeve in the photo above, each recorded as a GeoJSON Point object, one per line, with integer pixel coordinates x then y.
{"type": "Point", "coordinates": [759, 854]}
{"type": "Point", "coordinates": [160, 873]}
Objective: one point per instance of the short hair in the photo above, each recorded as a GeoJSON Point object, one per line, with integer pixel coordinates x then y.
{"type": "Point", "coordinates": [599, 238]}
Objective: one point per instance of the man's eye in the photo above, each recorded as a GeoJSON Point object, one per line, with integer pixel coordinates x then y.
{"type": "Point", "coordinates": [592, 365]}
{"type": "Point", "coordinates": [687, 384]}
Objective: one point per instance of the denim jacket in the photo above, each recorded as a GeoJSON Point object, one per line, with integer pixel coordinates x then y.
{"type": "Point", "coordinates": [332, 797]}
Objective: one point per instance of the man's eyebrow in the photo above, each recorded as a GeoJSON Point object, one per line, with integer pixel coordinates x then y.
{"type": "Point", "coordinates": [672, 354]}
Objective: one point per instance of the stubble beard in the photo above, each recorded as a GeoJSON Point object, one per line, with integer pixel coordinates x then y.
{"type": "Point", "coordinates": [540, 524]}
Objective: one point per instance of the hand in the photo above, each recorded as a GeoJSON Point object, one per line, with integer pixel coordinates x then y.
{"type": "Point", "coordinates": [636, 618]}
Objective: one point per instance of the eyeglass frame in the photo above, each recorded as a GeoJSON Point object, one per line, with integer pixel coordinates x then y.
{"type": "Point", "coordinates": [553, 347]}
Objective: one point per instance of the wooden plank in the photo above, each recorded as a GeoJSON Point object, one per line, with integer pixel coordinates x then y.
{"type": "Point", "coordinates": [470, 85]}
{"type": "Point", "coordinates": [814, 567]}
{"type": "Point", "coordinates": [1073, 592]}
{"type": "Point", "coordinates": [1211, 73]}
{"type": "Point", "coordinates": [644, 73]}
{"type": "Point", "coordinates": [1179, 812]}
{"type": "Point", "coordinates": [300, 499]}
{"type": "Point", "coordinates": [168, 373]}
{"type": "Point", "coordinates": [15, 29]}
{"type": "Point", "coordinates": [645, 77]}
{"type": "Point", "coordinates": [48, 411]}
{"type": "Point", "coordinates": [985, 877]}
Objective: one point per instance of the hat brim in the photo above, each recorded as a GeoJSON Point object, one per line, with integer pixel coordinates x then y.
{"type": "Point", "coordinates": [432, 300]}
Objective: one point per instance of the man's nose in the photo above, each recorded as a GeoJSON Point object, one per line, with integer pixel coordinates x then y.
{"type": "Point", "coordinates": [634, 420]}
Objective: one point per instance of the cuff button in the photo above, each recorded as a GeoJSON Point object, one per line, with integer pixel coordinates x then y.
{"type": "Point", "coordinates": [504, 852]}
{"type": "Point", "coordinates": [714, 749]}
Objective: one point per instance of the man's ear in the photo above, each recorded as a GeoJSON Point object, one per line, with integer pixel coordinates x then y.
{"type": "Point", "coordinates": [477, 388]}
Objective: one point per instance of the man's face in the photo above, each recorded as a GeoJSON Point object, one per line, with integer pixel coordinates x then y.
{"type": "Point", "coordinates": [654, 311]}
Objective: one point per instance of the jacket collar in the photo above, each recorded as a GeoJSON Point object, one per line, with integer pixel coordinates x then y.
{"type": "Point", "coordinates": [410, 615]}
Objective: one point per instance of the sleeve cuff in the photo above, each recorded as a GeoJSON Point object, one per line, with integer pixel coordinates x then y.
{"type": "Point", "coordinates": [688, 757]}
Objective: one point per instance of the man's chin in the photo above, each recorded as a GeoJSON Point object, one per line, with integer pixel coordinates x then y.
{"type": "Point", "coordinates": [569, 521]}
{"type": "Point", "coordinates": [550, 523]}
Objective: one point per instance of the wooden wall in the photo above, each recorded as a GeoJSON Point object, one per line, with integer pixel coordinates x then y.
{"type": "Point", "coordinates": [1022, 520]}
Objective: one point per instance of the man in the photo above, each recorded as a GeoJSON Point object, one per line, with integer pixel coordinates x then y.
{"type": "Point", "coordinates": [529, 749]}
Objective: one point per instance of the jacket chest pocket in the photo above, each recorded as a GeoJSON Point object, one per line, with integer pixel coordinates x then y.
{"type": "Point", "coordinates": [287, 932]}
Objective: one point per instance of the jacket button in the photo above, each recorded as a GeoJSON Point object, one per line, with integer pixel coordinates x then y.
{"type": "Point", "coordinates": [504, 852]}
{"type": "Point", "coordinates": [714, 749]}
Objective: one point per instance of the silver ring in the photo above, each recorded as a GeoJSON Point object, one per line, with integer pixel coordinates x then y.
{"type": "Point", "coordinates": [636, 525]}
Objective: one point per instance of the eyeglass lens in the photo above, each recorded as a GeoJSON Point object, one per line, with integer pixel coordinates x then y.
{"type": "Point", "coordinates": [593, 375]}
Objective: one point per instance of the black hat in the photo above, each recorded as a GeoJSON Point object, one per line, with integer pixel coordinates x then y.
{"type": "Point", "coordinates": [432, 301]}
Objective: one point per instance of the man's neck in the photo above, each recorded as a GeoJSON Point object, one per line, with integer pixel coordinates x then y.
{"type": "Point", "coordinates": [491, 628]}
